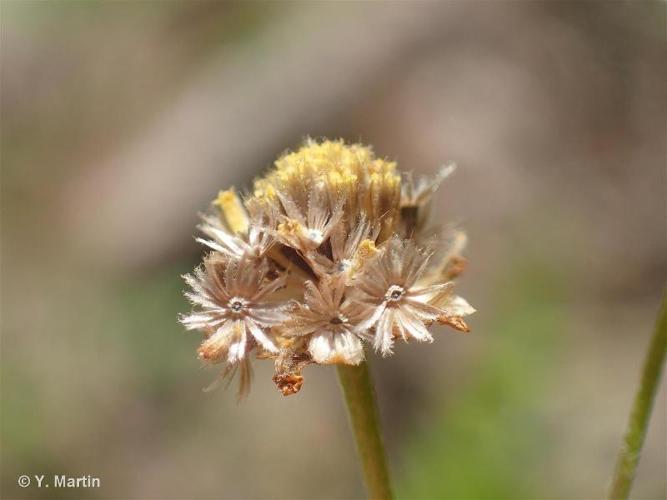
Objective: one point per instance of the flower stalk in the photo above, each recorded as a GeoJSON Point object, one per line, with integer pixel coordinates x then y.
{"type": "Point", "coordinates": [628, 457]}
{"type": "Point", "coordinates": [357, 386]}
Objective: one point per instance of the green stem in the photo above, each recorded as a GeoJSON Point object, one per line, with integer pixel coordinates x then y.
{"type": "Point", "coordinates": [357, 387]}
{"type": "Point", "coordinates": [628, 457]}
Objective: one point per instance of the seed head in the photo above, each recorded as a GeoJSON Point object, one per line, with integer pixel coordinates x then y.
{"type": "Point", "coordinates": [323, 256]}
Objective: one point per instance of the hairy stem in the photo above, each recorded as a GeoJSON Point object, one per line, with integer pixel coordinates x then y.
{"type": "Point", "coordinates": [359, 392]}
{"type": "Point", "coordinates": [628, 457]}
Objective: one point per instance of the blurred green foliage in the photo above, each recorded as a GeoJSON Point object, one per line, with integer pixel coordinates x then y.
{"type": "Point", "coordinates": [147, 326]}
{"type": "Point", "coordinates": [489, 442]}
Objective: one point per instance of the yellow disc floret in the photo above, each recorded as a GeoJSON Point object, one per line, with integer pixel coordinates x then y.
{"type": "Point", "coordinates": [232, 210]}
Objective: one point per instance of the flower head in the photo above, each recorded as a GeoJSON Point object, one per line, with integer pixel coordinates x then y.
{"type": "Point", "coordinates": [397, 305]}
{"type": "Point", "coordinates": [416, 196]}
{"type": "Point", "coordinates": [306, 228]}
{"type": "Point", "coordinates": [327, 319]}
{"type": "Point", "coordinates": [253, 243]}
{"type": "Point", "coordinates": [321, 257]}
{"type": "Point", "coordinates": [345, 243]}
{"type": "Point", "coordinates": [232, 309]}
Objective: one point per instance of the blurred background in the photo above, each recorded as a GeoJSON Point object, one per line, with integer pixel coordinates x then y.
{"type": "Point", "coordinates": [121, 120]}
